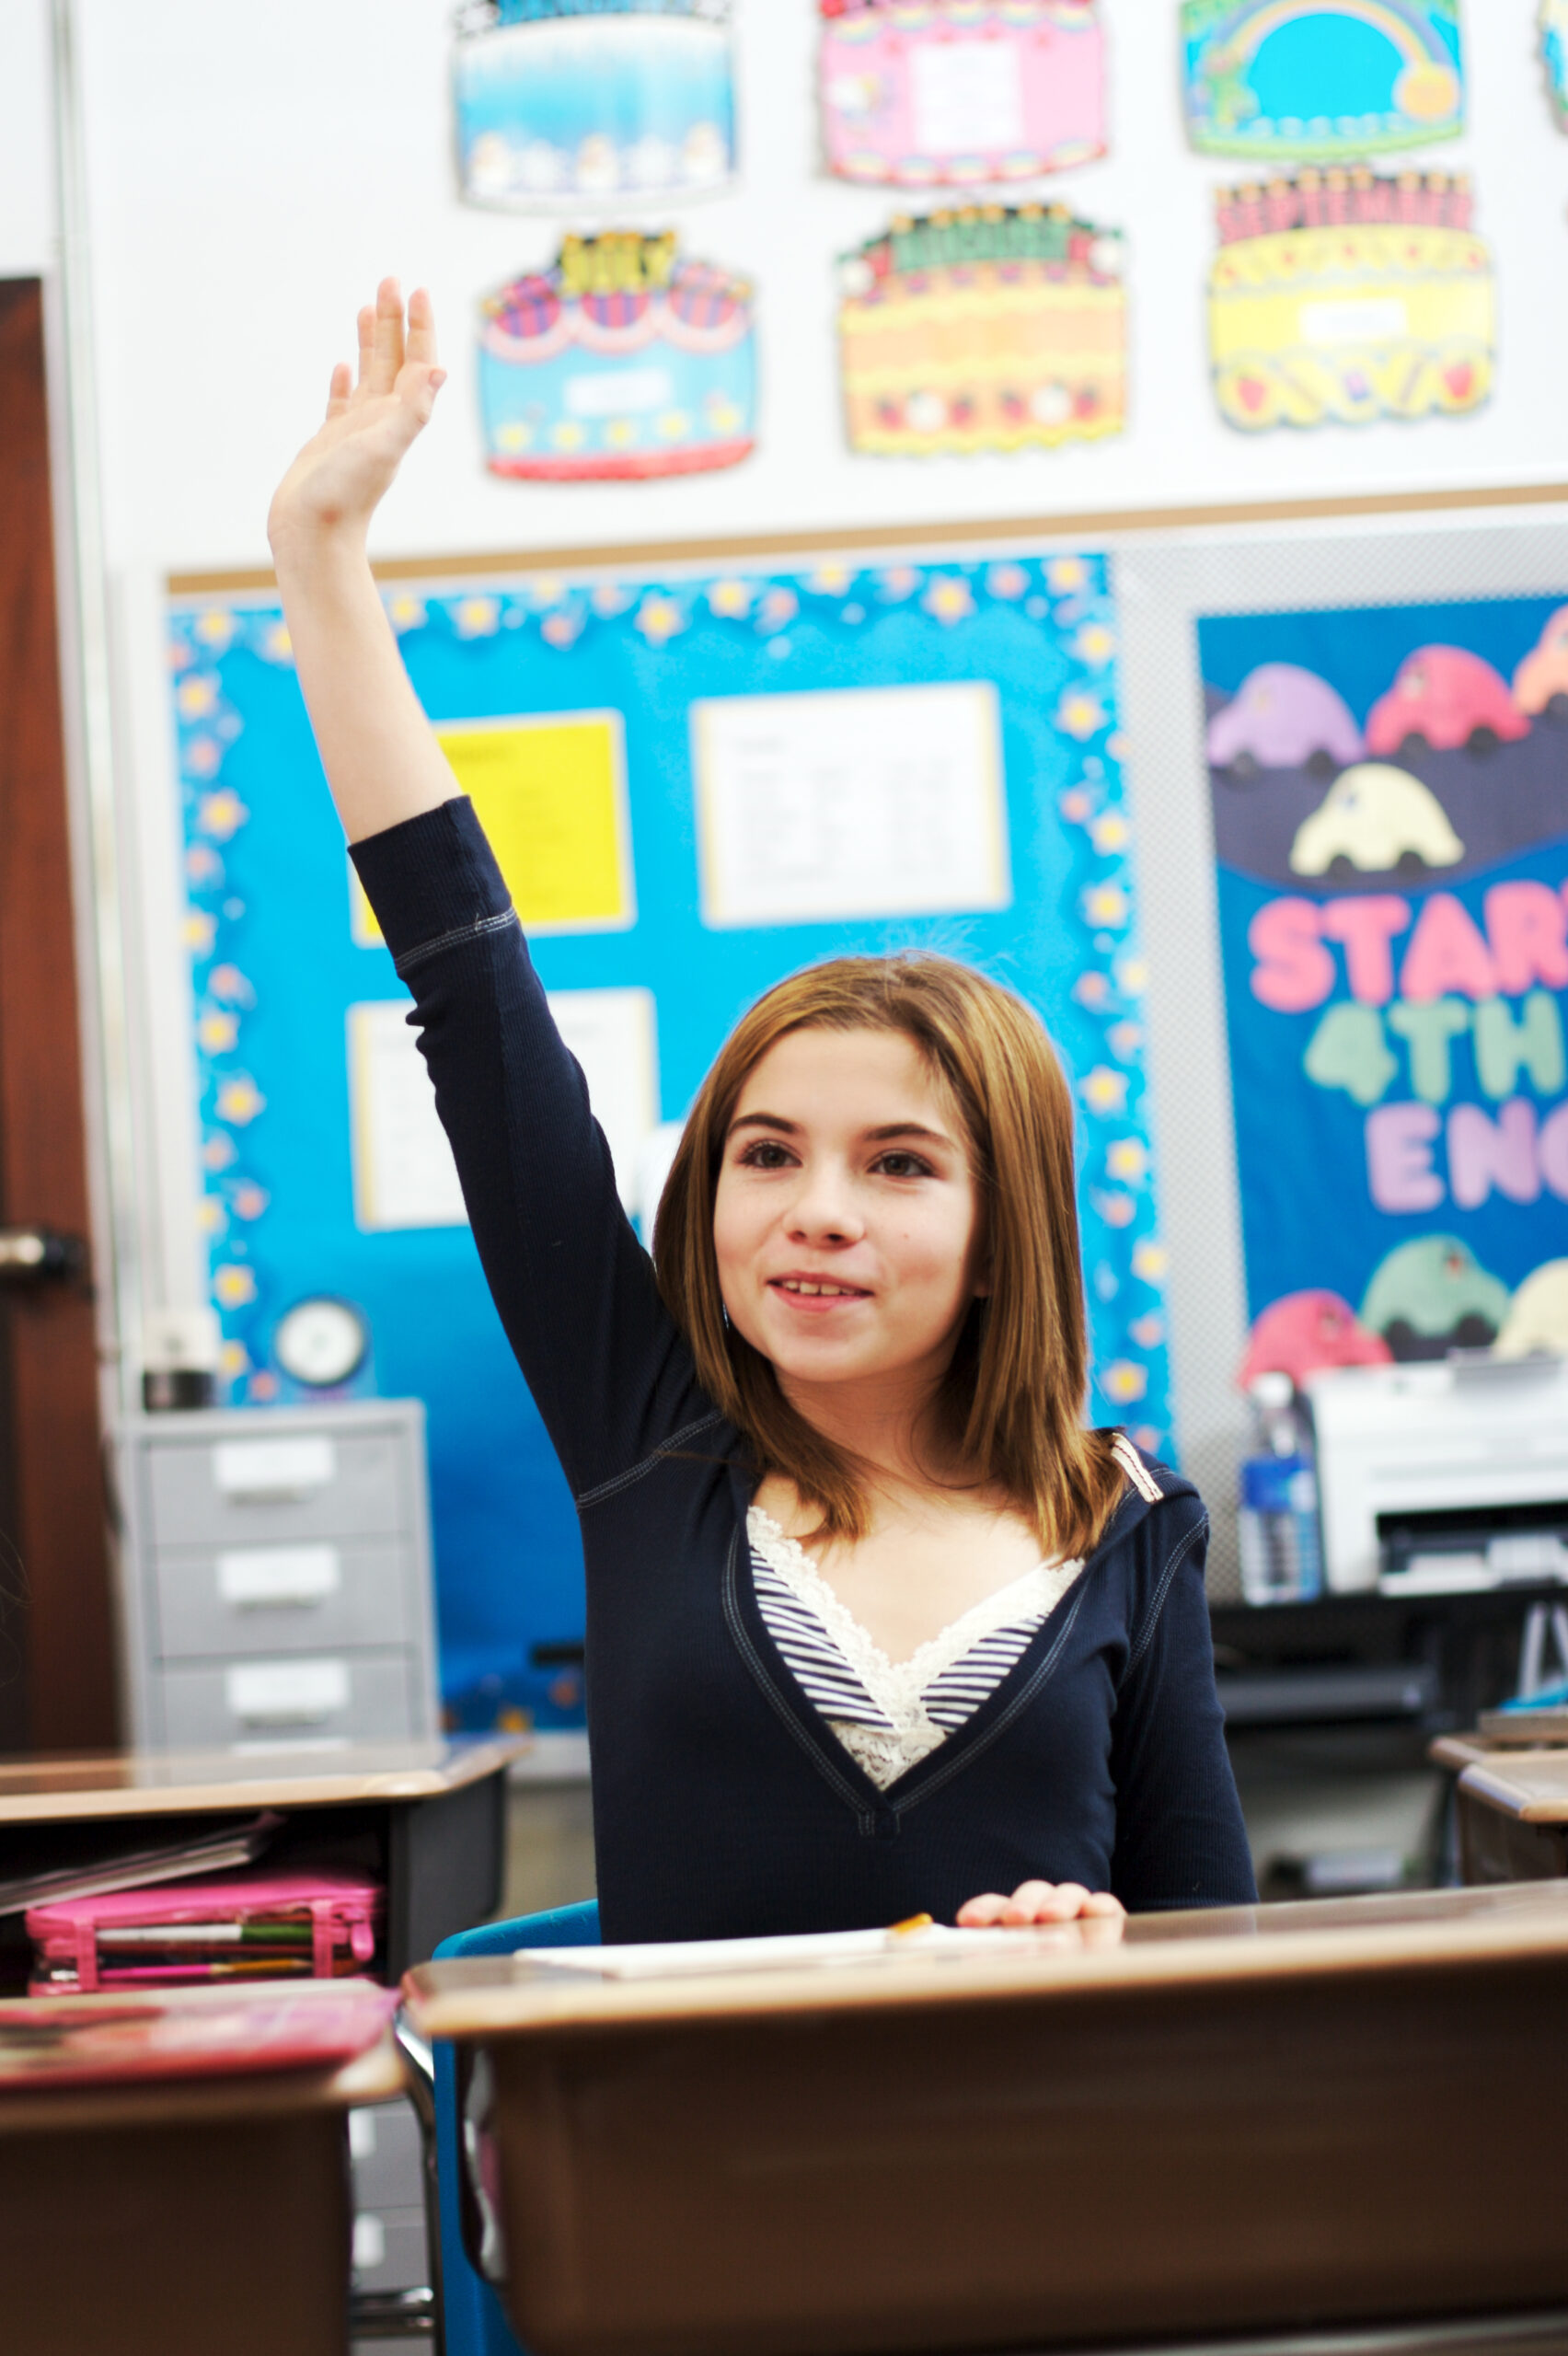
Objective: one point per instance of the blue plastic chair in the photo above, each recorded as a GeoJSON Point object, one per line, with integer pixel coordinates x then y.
{"type": "Point", "coordinates": [476, 2325]}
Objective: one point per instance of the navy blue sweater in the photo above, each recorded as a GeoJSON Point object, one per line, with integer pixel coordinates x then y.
{"type": "Point", "coordinates": [722, 1804]}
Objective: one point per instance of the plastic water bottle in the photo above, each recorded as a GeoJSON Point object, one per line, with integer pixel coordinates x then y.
{"type": "Point", "coordinates": [1282, 1554]}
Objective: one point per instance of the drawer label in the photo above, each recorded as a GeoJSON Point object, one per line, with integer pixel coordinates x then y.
{"type": "Point", "coordinates": [271, 1470]}
{"type": "Point", "coordinates": [286, 1692]}
{"type": "Point", "coordinates": [257, 1577]}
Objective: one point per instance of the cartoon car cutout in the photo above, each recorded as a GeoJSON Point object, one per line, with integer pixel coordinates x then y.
{"type": "Point", "coordinates": [1282, 717]}
{"type": "Point", "coordinates": [1432, 1295]}
{"type": "Point", "coordinates": [1306, 1331]}
{"type": "Point", "coordinates": [1443, 697]}
{"type": "Point", "coordinates": [1538, 1315]}
{"type": "Point", "coordinates": [1376, 819]}
{"type": "Point", "coordinates": [1541, 683]}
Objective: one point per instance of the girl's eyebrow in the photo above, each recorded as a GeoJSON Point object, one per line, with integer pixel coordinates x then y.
{"type": "Point", "coordinates": [875, 1137]}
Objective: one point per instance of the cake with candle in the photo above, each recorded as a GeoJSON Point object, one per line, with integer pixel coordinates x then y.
{"type": "Point", "coordinates": [622, 361]}
{"type": "Point", "coordinates": [1320, 80]}
{"type": "Point", "coordinates": [1338, 296]}
{"type": "Point", "coordinates": [953, 93]}
{"type": "Point", "coordinates": [561, 100]}
{"type": "Point", "coordinates": [989, 328]}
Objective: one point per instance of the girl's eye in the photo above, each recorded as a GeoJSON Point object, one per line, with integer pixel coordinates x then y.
{"type": "Point", "coordinates": [903, 1164]}
{"type": "Point", "coordinates": [764, 1153]}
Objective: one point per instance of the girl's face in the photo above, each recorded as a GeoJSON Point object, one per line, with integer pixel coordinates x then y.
{"type": "Point", "coordinates": [846, 1222]}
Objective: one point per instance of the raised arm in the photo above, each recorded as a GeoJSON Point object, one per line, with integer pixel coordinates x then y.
{"type": "Point", "coordinates": [381, 758]}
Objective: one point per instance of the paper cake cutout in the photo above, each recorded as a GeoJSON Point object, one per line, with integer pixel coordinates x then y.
{"type": "Point", "coordinates": [561, 100]}
{"type": "Point", "coordinates": [1321, 79]}
{"type": "Point", "coordinates": [1554, 52]}
{"type": "Point", "coordinates": [1337, 297]}
{"type": "Point", "coordinates": [951, 93]}
{"type": "Point", "coordinates": [620, 362]}
{"type": "Point", "coordinates": [983, 330]}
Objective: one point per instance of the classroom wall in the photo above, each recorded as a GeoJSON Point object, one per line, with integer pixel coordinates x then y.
{"type": "Point", "coordinates": [255, 170]}
{"type": "Point", "coordinates": [27, 160]}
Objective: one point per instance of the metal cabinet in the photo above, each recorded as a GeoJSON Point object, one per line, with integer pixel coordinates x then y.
{"type": "Point", "coordinates": [275, 1575]}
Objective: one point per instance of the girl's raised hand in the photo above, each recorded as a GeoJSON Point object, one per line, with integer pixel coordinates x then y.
{"type": "Point", "coordinates": [335, 484]}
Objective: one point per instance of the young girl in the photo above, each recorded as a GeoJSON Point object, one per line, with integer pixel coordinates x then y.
{"type": "Point", "coordinates": [875, 1625]}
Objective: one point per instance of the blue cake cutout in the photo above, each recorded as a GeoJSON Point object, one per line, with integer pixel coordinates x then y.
{"type": "Point", "coordinates": [563, 101]}
{"type": "Point", "coordinates": [1320, 80]}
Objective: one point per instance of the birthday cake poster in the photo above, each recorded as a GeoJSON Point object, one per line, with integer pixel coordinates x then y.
{"type": "Point", "coordinates": [560, 101]}
{"type": "Point", "coordinates": [1341, 297]}
{"type": "Point", "coordinates": [1321, 79]}
{"type": "Point", "coordinates": [951, 93]}
{"type": "Point", "coordinates": [1389, 789]}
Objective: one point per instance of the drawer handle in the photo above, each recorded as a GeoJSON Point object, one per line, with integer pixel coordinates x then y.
{"type": "Point", "coordinates": [259, 1579]}
{"type": "Point", "coordinates": [274, 1472]}
{"type": "Point", "coordinates": [286, 1692]}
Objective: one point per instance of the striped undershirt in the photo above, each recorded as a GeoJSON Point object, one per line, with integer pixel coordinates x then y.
{"type": "Point", "coordinates": [889, 1715]}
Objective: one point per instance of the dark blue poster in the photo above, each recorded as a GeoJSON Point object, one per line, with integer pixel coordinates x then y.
{"type": "Point", "coordinates": [1390, 805]}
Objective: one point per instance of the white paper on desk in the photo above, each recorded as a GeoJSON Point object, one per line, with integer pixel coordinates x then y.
{"type": "Point", "coordinates": [693, 1957]}
{"type": "Point", "coordinates": [404, 1174]}
{"type": "Point", "coordinates": [850, 802]}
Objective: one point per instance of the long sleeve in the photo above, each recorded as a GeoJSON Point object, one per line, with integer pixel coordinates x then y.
{"type": "Point", "coordinates": [1179, 1836]}
{"type": "Point", "coordinates": [609, 1372]}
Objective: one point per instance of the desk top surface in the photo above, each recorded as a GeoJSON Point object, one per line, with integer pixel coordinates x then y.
{"type": "Point", "coordinates": [1529, 1785]}
{"type": "Point", "coordinates": [176, 1783]}
{"type": "Point", "coordinates": [194, 2054]}
{"type": "Point", "coordinates": [503, 1995]}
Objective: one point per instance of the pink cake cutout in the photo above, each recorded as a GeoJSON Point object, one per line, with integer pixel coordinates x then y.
{"type": "Point", "coordinates": [956, 93]}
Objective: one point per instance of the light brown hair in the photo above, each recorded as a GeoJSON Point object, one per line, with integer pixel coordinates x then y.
{"type": "Point", "coordinates": [1011, 1407]}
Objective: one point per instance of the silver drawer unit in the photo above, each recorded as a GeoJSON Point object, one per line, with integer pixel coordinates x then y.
{"type": "Point", "coordinates": [297, 1597]}
{"type": "Point", "coordinates": [275, 1575]}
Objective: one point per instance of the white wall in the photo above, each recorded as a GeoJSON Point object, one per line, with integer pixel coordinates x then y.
{"type": "Point", "coordinates": [254, 170]}
{"type": "Point", "coordinates": [27, 160]}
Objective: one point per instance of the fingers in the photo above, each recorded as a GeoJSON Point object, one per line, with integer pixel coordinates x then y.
{"type": "Point", "coordinates": [387, 338]}
{"type": "Point", "coordinates": [1039, 1901]}
{"type": "Point", "coordinates": [421, 329]}
{"type": "Point", "coordinates": [339, 389]}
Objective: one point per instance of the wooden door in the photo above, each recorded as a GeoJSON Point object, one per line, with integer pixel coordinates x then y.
{"type": "Point", "coordinates": [57, 1654]}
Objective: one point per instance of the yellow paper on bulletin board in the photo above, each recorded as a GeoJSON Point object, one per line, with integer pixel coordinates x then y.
{"type": "Point", "coordinates": [551, 794]}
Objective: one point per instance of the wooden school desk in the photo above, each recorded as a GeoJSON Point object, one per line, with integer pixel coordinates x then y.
{"type": "Point", "coordinates": [1263, 2120]}
{"type": "Point", "coordinates": [426, 1818]}
{"type": "Point", "coordinates": [1512, 1807]}
{"type": "Point", "coordinates": [182, 2216]}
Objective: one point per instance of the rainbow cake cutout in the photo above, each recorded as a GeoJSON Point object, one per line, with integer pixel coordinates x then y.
{"type": "Point", "coordinates": [1339, 297]}
{"type": "Point", "coordinates": [560, 100]}
{"type": "Point", "coordinates": [621, 361]}
{"type": "Point", "coordinates": [951, 93]}
{"type": "Point", "coordinates": [1554, 52]}
{"type": "Point", "coordinates": [1321, 79]}
{"type": "Point", "coordinates": [987, 328]}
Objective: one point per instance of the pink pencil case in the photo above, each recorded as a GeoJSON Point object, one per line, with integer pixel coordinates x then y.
{"type": "Point", "coordinates": [254, 1925]}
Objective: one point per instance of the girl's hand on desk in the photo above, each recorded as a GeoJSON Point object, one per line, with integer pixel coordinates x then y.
{"type": "Point", "coordinates": [1042, 1902]}
{"type": "Point", "coordinates": [344, 470]}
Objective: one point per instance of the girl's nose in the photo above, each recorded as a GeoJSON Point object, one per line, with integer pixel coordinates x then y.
{"type": "Point", "coordinates": [823, 1210]}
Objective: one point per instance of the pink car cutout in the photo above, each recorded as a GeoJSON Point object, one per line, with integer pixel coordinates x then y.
{"type": "Point", "coordinates": [1541, 683]}
{"type": "Point", "coordinates": [1282, 717]}
{"type": "Point", "coordinates": [1444, 697]}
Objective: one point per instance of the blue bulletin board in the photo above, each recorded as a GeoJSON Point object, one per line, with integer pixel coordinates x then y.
{"type": "Point", "coordinates": [701, 849]}
{"type": "Point", "coordinates": [1391, 798]}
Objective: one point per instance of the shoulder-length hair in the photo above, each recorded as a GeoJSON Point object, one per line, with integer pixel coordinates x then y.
{"type": "Point", "coordinates": [1011, 1407]}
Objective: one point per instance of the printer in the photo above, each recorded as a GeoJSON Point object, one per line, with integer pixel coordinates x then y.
{"type": "Point", "coordinates": [1443, 1477]}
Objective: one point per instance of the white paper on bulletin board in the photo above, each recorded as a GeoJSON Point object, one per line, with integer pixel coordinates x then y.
{"type": "Point", "coordinates": [403, 1170]}
{"type": "Point", "coordinates": [850, 802]}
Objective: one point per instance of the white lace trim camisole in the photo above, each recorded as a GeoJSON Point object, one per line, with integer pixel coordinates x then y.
{"type": "Point", "coordinates": [889, 1715]}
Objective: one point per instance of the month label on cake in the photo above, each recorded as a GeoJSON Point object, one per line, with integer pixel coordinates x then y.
{"type": "Point", "coordinates": [955, 93]}
{"type": "Point", "coordinates": [1274, 78]}
{"type": "Point", "coordinates": [1338, 297]}
{"type": "Point", "coordinates": [850, 802]}
{"type": "Point", "coordinates": [561, 100]}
